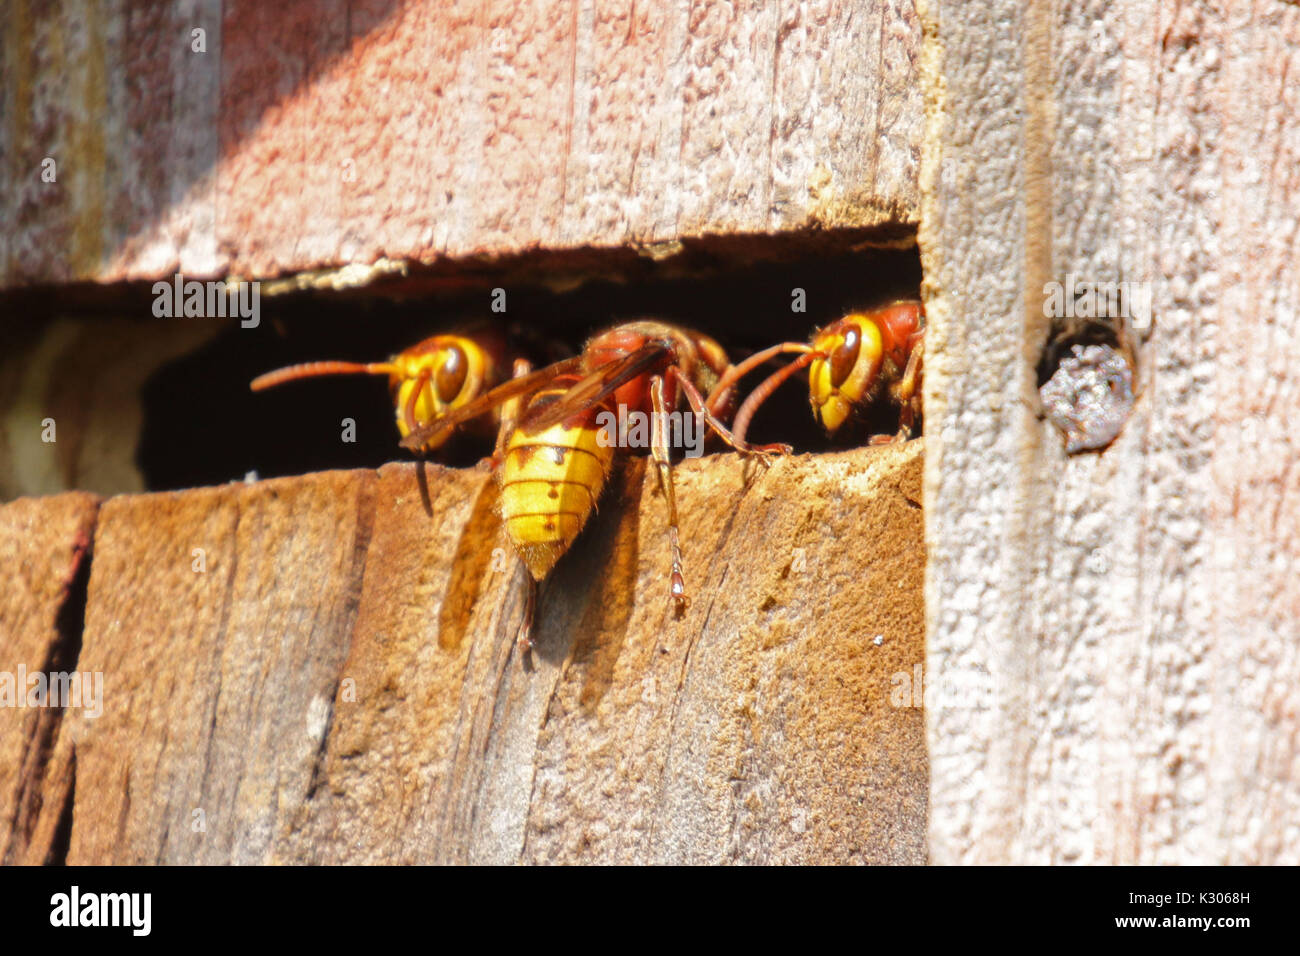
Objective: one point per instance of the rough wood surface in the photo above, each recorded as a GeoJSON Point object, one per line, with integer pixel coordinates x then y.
{"type": "Point", "coordinates": [44, 543]}
{"type": "Point", "coordinates": [1114, 638]}
{"type": "Point", "coordinates": [338, 682]}
{"type": "Point", "coordinates": [315, 135]}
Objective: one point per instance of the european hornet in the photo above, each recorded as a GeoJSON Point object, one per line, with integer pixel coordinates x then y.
{"type": "Point", "coordinates": [556, 456]}
{"type": "Point", "coordinates": [850, 363]}
{"type": "Point", "coordinates": [426, 381]}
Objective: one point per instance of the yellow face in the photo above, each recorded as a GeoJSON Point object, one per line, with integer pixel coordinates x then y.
{"type": "Point", "coordinates": [713, 362]}
{"type": "Point", "coordinates": [843, 380]}
{"type": "Point", "coordinates": [454, 371]}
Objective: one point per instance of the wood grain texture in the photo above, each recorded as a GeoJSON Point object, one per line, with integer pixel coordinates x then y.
{"type": "Point", "coordinates": [44, 544]}
{"type": "Point", "coordinates": [340, 683]}
{"type": "Point", "coordinates": [1113, 638]}
{"type": "Point", "coordinates": [310, 135]}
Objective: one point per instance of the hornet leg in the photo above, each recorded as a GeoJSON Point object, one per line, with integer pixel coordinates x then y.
{"type": "Point", "coordinates": [659, 447]}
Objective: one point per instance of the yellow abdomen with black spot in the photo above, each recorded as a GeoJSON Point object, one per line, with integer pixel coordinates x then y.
{"type": "Point", "coordinates": [550, 481]}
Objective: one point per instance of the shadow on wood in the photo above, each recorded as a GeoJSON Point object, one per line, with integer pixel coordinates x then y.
{"type": "Point", "coordinates": [280, 686]}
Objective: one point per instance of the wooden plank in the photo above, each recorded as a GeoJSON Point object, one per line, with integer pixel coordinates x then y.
{"type": "Point", "coordinates": [1112, 643]}
{"type": "Point", "coordinates": [219, 618]}
{"type": "Point", "coordinates": [340, 683]}
{"type": "Point", "coordinates": [44, 545]}
{"type": "Point", "coordinates": [309, 136]}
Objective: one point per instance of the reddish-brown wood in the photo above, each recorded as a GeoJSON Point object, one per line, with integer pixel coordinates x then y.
{"type": "Point", "coordinates": [337, 681]}
{"type": "Point", "coordinates": [44, 546]}
{"type": "Point", "coordinates": [377, 134]}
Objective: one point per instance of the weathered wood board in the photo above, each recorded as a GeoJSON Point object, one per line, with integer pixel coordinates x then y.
{"type": "Point", "coordinates": [1112, 663]}
{"type": "Point", "coordinates": [1114, 638]}
{"type": "Point", "coordinates": [309, 136]}
{"type": "Point", "coordinates": [44, 546]}
{"type": "Point", "coordinates": [322, 669]}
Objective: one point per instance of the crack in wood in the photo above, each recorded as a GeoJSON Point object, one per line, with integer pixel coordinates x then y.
{"type": "Point", "coordinates": [44, 726]}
